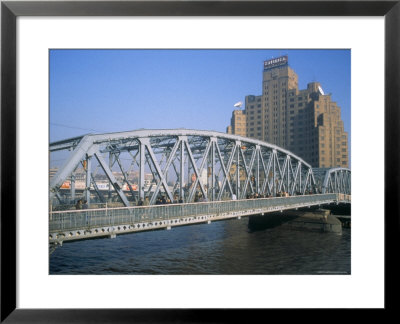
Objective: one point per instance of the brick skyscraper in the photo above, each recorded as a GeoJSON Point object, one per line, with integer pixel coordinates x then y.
{"type": "Point", "coordinates": [306, 122]}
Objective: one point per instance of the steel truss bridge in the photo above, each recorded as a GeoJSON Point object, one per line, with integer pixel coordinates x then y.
{"type": "Point", "coordinates": [206, 175]}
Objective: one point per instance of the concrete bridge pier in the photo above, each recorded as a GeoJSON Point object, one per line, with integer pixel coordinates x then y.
{"type": "Point", "coordinates": [319, 220]}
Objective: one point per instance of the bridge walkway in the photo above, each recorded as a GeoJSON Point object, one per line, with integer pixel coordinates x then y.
{"type": "Point", "coordinates": [108, 222]}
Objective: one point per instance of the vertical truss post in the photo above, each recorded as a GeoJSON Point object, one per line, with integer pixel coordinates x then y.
{"type": "Point", "coordinates": [213, 142]}
{"type": "Point", "coordinates": [288, 173]}
{"type": "Point", "coordinates": [88, 170]}
{"type": "Point", "coordinates": [238, 148]}
{"type": "Point", "coordinates": [182, 172]}
{"type": "Point", "coordinates": [258, 170]}
{"type": "Point", "coordinates": [110, 164]}
{"type": "Point", "coordinates": [300, 176]}
{"type": "Point", "coordinates": [274, 157]}
{"type": "Point", "coordinates": [72, 186]}
{"type": "Point", "coordinates": [142, 158]}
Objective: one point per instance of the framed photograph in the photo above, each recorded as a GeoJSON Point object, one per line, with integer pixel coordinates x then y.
{"type": "Point", "coordinates": [47, 48]}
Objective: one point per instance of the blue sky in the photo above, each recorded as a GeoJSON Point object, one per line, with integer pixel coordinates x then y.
{"type": "Point", "coordinates": [95, 91]}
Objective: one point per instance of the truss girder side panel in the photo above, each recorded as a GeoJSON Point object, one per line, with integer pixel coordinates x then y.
{"type": "Point", "coordinates": [260, 167]}
{"type": "Point", "coordinates": [70, 165]}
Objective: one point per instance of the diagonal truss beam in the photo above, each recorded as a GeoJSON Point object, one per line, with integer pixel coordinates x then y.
{"type": "Point", "coordinates": [160, 174]}
{"type": "Point", "coordinates": [112, 179]}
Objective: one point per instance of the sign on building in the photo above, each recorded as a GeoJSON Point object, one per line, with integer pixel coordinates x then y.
{"type": "Point", "coordinates": [283, 60]}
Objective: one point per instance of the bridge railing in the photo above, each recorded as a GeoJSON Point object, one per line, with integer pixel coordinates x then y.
{"type": "Point", "coordinates": [344, 198]}
{"type": "Point", "coordinates": [91, 218]}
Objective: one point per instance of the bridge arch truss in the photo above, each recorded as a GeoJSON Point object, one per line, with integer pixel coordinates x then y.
{"type": "Point", "coordinates": [334, 180]}
{"type": "Point", "coordinates": [178, 164]}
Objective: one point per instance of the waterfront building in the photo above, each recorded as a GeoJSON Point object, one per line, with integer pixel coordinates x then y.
{"type": "Point", "coordinates": [238, 123]}
{"type": "Point", "coordinates": [306, 122]}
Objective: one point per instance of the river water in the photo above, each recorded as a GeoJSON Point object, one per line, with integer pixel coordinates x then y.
{"type": "Point", "coordinates": [224, 247]}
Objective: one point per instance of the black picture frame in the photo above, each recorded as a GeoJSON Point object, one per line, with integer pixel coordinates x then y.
{"type": "Point", "coordinates": [10, 10]}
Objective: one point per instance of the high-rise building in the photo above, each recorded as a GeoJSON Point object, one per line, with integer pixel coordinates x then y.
{"type": "Point", "coordinates": [238, 123]}
{"type": "Point", "coordinates": [306, 122]}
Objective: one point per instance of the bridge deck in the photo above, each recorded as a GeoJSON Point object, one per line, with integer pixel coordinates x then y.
{"type": "Point", "coordinates": [92, 223]}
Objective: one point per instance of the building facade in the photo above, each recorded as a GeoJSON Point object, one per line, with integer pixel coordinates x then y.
{"type": "Point", "coordinates": [238, 123]}
{"type": "Point", "coordinates": [306, 122]}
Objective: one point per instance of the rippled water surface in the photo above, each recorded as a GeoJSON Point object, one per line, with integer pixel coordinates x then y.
{"type": "Point", "coordinates": [225, 247]}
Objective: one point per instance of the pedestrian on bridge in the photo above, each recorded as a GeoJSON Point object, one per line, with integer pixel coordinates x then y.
{"type": "Point", "coordinates": [78, 204]}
